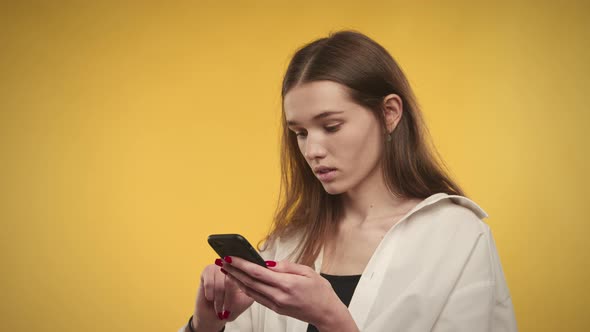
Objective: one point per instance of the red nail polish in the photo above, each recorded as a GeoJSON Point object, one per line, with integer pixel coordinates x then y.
{"type": "Point", "coordinates": [226, 314]}
{"type": "Point", "coordinates": [218, 262]}
{"type": "Point", "coordinates": [224, 271]}
{"type": "Point", "coordinates": [227, 259]}
{"type": "Point", "coordinates": [271, 263]}
{"type": "Point", "coordinates": [220, 315]}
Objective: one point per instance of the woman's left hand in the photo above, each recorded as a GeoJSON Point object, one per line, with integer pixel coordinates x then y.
{"type": "Point", "coordinates": [292, 289]}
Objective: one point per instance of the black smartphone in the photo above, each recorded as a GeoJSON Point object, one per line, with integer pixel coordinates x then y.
{"type": "Point", "coordinates": [235, 245]}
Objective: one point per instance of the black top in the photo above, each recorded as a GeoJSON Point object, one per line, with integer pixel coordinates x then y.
{"type": "Point", "coordinates": [343, 286]}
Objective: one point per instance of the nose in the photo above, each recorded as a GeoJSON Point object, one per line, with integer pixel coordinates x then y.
{"type": "Point", "coordinates": [313, 149]}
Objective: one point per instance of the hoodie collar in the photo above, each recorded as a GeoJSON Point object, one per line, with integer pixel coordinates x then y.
{"type": "Point", "coordinates": [457, 199]}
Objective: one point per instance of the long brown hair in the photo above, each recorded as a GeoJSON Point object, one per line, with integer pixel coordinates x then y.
{"type": "Point", "coordinates": [412, 168]}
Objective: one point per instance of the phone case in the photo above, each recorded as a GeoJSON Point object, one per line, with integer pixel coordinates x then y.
{"type": "Point", "coordinates": [235, 245]}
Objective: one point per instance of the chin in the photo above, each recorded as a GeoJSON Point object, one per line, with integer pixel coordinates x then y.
{"type": "Point", "coordinates": [332, 189]}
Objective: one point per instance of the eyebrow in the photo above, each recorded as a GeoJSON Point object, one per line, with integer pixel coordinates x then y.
{"type": "Point", "coordinates": [319, 116]}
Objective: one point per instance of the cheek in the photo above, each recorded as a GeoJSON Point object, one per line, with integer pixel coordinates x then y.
{"type": "Point", "coordinates": [361, 147]}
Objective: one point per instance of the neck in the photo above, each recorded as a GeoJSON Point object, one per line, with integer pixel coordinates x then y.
{"type": "Point", "coordinates": [372, 200]}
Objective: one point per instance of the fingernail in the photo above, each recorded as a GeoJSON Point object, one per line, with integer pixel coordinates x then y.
{"type": "Point", "coordinates": [271, 263]}
{"type": "Point", "coordinates": [220, 315]}
{"type": "Point", "coordinates": [224, 271]}
{"type": "Point", "coordinates": [226, 314]}
{"type": "Point", "coordinates": [218, 262]}
{"type": "Point", "coordinates": [227, 259]}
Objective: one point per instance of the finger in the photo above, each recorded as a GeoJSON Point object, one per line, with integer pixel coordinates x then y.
{"type": "Point", "coordinates": [253, 270]}
{"type": "Point", "coordinates": [253, 294]}
{"type": "Point", "coordinates": [231, 290]}
{"type": "Point", "coordinates": [207, 285]}
{"type": "Point", "coordinates": [219, 293]}
{"type": "Point", "coordinates": [270, 291]}
{"type": "Point", "coordinates": [290, 267]}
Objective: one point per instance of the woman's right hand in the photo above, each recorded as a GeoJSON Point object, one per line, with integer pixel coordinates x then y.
{"type": "Point", "coordinates": [219, 300]}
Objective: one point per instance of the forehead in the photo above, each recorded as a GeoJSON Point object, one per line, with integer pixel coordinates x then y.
{"type": "Point", "coordinates": [309, 99]}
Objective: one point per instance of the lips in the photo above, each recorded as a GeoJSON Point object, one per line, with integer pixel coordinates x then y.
{"type": "Point", "coordinates": [326, 170]}
{"type": "Point", "coordinates": [322, 169]}
{"type": "Point", "coordinates": [325, 173]}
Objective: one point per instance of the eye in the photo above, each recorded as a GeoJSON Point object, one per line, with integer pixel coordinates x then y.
{"type": "Point", "coordinates": [301, 134]}
{"type": "Point", "coordinates": [332, 129]}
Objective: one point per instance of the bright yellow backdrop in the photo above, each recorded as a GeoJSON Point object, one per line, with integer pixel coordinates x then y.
{"type": "Point", "coordinates": [130, 131]}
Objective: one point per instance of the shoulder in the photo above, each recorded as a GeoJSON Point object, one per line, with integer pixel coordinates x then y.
{"type": "Point", "coordinates": [451, 213]}
{"type": "Point", "coordinates": [448, 233]}
{"type": "Point", "coordinates": [444, 223]}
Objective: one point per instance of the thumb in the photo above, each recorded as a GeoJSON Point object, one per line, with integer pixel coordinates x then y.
{"type": "Point", "coordinates": [289, 267]}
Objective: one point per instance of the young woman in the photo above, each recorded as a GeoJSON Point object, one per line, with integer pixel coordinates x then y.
{"type": "Point", "coordinates": [371, 234]}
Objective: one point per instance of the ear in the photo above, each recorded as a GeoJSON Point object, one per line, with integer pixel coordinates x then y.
{"type": "Point", "coordinates": [392, 111]}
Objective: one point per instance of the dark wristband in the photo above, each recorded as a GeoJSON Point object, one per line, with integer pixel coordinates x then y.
{"type": "Point", "coordinates": [190, 325]}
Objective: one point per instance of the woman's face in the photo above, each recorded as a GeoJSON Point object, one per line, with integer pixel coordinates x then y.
{"type": "Point", "coordinates": [336, 133]}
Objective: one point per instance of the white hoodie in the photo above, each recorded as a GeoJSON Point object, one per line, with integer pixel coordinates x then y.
{"type": "Point", "coordinates": [437, 269]}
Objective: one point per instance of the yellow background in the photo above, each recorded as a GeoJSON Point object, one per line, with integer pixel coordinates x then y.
{"type": "Point", "coordinates": [129, 131]}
